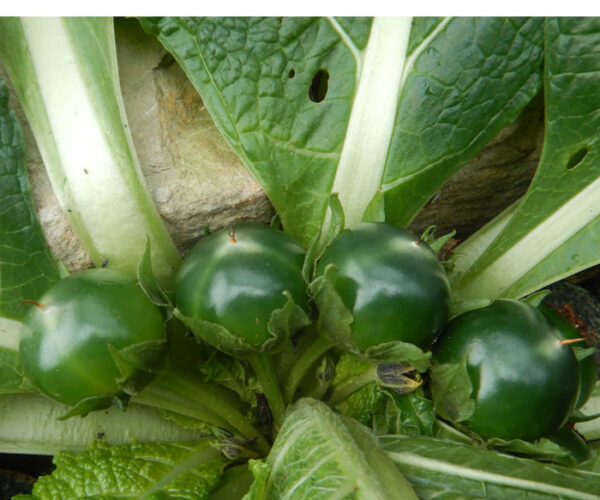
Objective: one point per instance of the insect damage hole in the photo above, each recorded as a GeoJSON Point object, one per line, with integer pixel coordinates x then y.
{"type": "Point", "coordinates": [576, 158]}
{"type": "Point", "coordinates": [319, 86]}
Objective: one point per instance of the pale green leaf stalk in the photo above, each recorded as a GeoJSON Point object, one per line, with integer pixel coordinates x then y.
{"type": "Point", "coordinates": [65, 73]}
{"type": "Point", "coordinates": [380, 77]}
{"type": "Point", "coordinates": [29, 424]}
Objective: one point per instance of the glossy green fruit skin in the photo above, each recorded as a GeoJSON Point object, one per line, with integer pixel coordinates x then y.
{"type": "Point", "coordinates": [525, 383]}
{"type": "Point", "coordinates": [236, 278]}
{"type": "Point", "coordinates": [393, 283]}
{"type": "Point", "coordinates": [65, 353]}
{"type": "Point", "coordinates": [587, 369]}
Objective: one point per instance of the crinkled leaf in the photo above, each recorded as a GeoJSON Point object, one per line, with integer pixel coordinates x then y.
{"type": "Point", "coordinates": [350, 365]}
{"type": "Point", "coordinates": [153, 288]}
{"type": "Point", "coordinates": [389, 413]}
{"type": "Point", "coordinates": [27, 268]}
{"type": "Point", "coordinates": [283, 323]}
{"type": "Point", "coordinates": [215, 335]}
{"type": "Point", "coordinates": [232, 373]}
{"type": "Point", "coordinates": [137, 470]}
{"type": "Point", "coordinates": [469, 78]}
{"type": "Point", "coordinates": [335, 319]}
{"type": "Point", "coordinates": [410, 414]}
{"type": "Point", "coordinates": [451, 390]}
{"type": "Point", "coordinates": [324, 237]}
{"type": "Point", "coordinates": [400, 352]}
{"type": "Point", "coordinates": [138, 364]}
{"type": "Point", "coordinates": [321, 455]}
{"type": "Point", "coordinates": [439, 468]}
{"type": "Point", "coordinates": [543, 450]}
{"type": "Point", "coordinates": [363, 404]}
{"type": "Point", "coordinates": [553, 231]}
{"type": "Point", "coordinates": [315, 106]}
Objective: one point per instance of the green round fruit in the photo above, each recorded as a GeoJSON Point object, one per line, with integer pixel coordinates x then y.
{"type": "Point", "coordinates": [525, 381]}
{"type": "Point", "coordinates": [65, 349]}
{"type": "Point", "coordinates": [393, 283]}
{"type": "Point", "coordinates": [236, 278]}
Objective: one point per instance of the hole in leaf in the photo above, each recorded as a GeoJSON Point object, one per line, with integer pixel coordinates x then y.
{"type": "Point", "coordinates": [292, 73]}
{"type": "Point", "coordinates": [319, 85]}
{"type": "Point", "coordinates": [577, 158]}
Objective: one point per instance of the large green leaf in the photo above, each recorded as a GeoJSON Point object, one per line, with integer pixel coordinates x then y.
{"type": "Point", "coordinates": [26, 265]}
{"type": "Point", "coordinates": [555, 230]}
{"type": "Point", "coordinates": [65, 73]}
{"type": "Point", "coordinates": [444, 469]}
{"type": "Point", "coordinates": [315, 106]}
{"type": "Point", "coordinates": [186, 471]}
{"type": "Point", "coordinates": [319, 454]}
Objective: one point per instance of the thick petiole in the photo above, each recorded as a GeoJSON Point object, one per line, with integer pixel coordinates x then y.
{"type": "Point", "coordinates": [188, 394]}
{"type": "Point", "coordinates": [307, 358]}
{"type": "Point", "coordinates": [266, 374]}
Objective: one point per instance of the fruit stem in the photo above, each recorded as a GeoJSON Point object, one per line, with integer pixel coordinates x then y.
{"type": "Point", "coordinates": [571, 341]}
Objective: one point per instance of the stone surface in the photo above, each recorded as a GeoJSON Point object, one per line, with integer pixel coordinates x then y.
{"type": "Point", "coordinates": [197, 181]}
{"type": "Point", "coordinates": [194, 177]}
